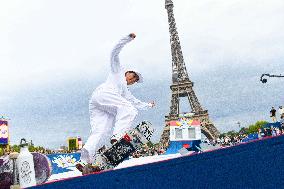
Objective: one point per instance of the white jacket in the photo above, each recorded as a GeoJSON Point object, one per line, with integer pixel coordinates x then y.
{"type": "Point", "coordinates": [116, 82]}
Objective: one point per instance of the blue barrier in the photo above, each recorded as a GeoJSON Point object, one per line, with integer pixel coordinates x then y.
{"type": "Point", "coordinates": [175, 146]}
{"type": "Point", "coordinates": [250, 137]}
{"type": "Point", "coordinates": [276, 124]}
{"type": "Point", "coordinates": [257, 164]}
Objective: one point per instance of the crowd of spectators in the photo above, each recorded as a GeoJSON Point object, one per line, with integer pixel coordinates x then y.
{"type": "Point", "coordinates": [271, 131]}
{"type": "Point", "coordinates": [227, 140]}
{"type": "Point", "coordinates": [267, 130]}
{"type": "Point", "coordinates": [147, 150]}
{"type": "Point", "coordinates": [262, 133]}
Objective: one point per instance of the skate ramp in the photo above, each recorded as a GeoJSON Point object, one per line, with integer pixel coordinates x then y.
{"type": "Point", "coordinates": [258, 164]}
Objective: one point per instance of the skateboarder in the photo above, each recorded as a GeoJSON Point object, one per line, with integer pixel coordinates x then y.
{"type": "Point", "coordinates": [112, 106]}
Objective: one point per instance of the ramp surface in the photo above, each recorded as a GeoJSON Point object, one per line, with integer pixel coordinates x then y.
{"type": "Point", "coordinates": [258, 164]}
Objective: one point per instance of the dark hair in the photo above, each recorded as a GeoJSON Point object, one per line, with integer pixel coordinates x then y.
{"type": "Point", "coordinates": [135, 74]}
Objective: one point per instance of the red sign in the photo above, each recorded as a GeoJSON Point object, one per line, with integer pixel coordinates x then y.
{"type": "Point", "coordinates": [127, 138]}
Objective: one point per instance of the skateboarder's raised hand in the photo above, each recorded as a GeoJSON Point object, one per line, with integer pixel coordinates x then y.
{"type": "Point", "coordinates": [114, 59]}
{"type": "Point", "coordinates": [132, 35]}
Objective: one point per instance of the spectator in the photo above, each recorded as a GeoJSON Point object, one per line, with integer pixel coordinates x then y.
{"type": "Point", "coordinates": [278, 131]}
{"type": "Point", "coordinates": [281, 128]}
{"type": "Point", "coordinates": [273, 131]}
{"type": "Point", "coordinates": [281, 111]}
{"type": "Point", "coordinates": [265, 132]}
{"type": "Point", "coordinates": [269, 132]}
{"type": "Point", "coordinates": [273, 114]}
{"type": "Point", "coordinates": [260, 133]}
{"type": "Point", "coordinates": [282, 119]}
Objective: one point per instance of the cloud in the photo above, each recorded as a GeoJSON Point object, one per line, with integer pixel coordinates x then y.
{"type": "Point", "coordinates": [39, 37]}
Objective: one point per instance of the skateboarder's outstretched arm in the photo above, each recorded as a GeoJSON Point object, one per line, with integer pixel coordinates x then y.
{"type": "Point", "coordinates": [138, 103]}
{"type": "Point", "coordinates": [114, 62]}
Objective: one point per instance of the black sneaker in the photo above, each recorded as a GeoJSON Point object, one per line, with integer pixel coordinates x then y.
{"type": "Point", "coordinates": [115, 138]}
{"type": "Point", "coordinates": [91, 168]}
{"type": "Point", "coordinates": [112, 141]}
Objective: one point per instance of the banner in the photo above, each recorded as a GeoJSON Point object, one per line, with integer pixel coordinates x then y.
{"type": "Point", "coordinates": [63, 162]}
{"type": "Point", "coordinates": [4, 133]}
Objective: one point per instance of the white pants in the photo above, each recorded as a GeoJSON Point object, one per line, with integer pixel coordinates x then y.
{"type": "Point", "coordinates": [108, 111]}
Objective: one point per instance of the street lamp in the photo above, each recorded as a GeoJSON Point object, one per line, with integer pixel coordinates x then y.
{"type": "Point", "coordinates": [239, 124]}
{"type": "Point", "coordinates": [264, 80]}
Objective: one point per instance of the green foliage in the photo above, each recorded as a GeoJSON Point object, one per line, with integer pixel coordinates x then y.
{"type": "Point", "coordinates": [254, 128]}
{"type": "Point", "coordinates": [31, 148]}
{"type": "Point", "coordinates": [16, 148]}
{"type": "Point", "coordinates": [243, 130]}
{"type": "Point", "coordinates": [229, 133]}
{"type": "Point", "coordinates": [251, 129]}
{"type": "Point", "coordinates": [232, 133]}
{"type": "Point", "coordinates": [1, 151]}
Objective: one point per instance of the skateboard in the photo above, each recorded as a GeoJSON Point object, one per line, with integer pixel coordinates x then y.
{"type": "Point", "coordinates": [130, 142]}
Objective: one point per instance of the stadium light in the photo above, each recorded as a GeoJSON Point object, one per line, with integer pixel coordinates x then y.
{"type": "Point", "coordinates": [264, 80]}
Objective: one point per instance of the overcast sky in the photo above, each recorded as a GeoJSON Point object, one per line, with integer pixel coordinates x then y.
{"type": "Point", "coordinates": [58, 42]}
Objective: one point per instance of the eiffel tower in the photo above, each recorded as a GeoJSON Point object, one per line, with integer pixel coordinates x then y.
{"type": "Point", "coordinates": [182, 86]}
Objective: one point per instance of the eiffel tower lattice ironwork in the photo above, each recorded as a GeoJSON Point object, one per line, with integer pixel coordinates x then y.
{"type": "Point", "coordinates": [182, 86]}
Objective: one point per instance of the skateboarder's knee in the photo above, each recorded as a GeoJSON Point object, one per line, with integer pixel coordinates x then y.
{"type": "Point", "coordinates": [127, 111]}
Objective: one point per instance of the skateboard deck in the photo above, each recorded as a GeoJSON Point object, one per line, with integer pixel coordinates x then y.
{"type": "Point", "coordinates": [122, 149]}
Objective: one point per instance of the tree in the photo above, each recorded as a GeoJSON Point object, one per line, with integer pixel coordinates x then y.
{"type": "Point", "coordinates": [1, 151]}
{"type": "Point", "coordinates": [16, 148]}
{"type": "Point", "coordinates": [232, 133]}
{"type": "Point", "coordinates": [31, 148]}
{"type": "Point", "coordinates": [254, 128]}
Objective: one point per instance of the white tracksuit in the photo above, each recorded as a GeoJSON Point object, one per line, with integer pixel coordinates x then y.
{"type": "Point", "coordinates": [112, 106]}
